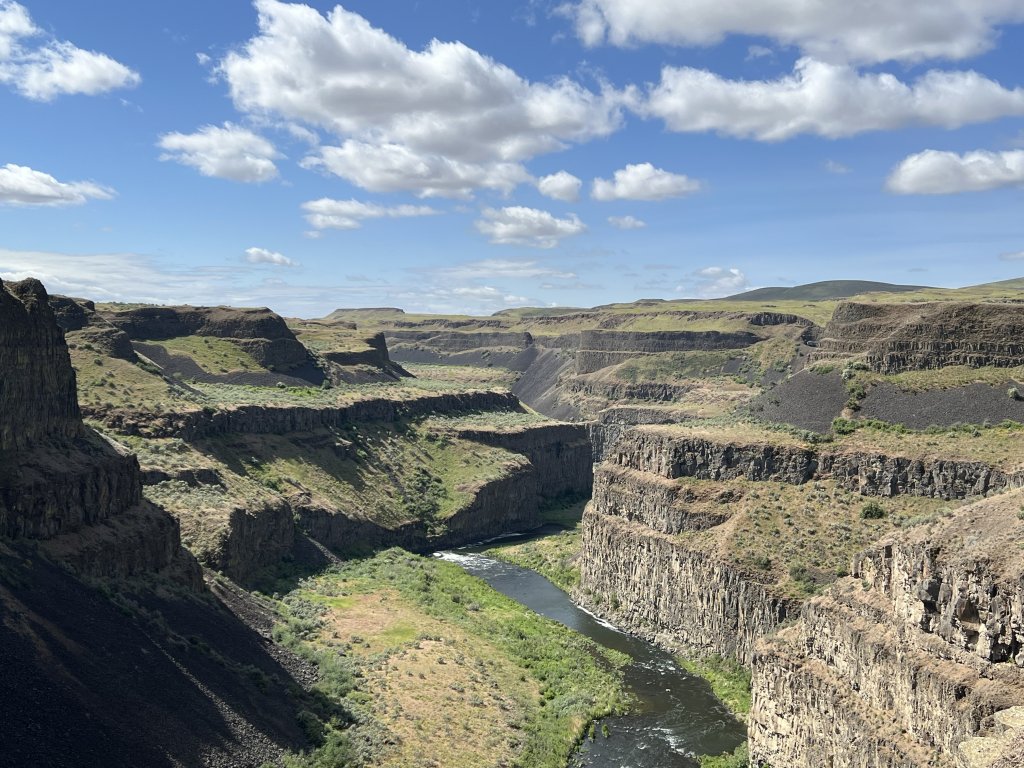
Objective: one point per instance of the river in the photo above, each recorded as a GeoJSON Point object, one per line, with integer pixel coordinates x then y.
{"type": "Point", "coordinates": [675, 716]}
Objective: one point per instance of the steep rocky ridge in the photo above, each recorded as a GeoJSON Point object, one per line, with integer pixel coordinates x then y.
{"type": "Point", "coordinates": [599, 349]}
{"type": "Point", "coordinates": [280, 419]}
{"type": "Point", "coordinates": [261, 333]}
{"type": "Point", "coordinates": [678, 452]}
{"type": "Point", "coordinates": [892, 338]}
{"type": "Point", "coordinates": [911, 656]}
{"type": "Point", "coordinates": [252, 519]}
{"type": "Point", "coordinates": [61, 482]}
{"type": "Point", "coordinates": [113, 654]}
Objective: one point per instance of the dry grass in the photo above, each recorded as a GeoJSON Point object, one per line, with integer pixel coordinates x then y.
{"type": "Point", "coordinates": [465, 375]}
{"type": "Point", "coordinates": [213, 355]}
{"type": "Point", "coordinates": [445, 697]}
{"type": "Point", "coordinates": [797, 537]}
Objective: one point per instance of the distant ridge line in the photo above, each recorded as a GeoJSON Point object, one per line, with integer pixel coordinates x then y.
{"type": "Point", "coordinates": [826, 289]}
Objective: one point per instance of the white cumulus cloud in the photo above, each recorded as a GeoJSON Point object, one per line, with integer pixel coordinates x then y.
{"type": "Point", "coordinates": [442, 121]}
{"type": "Point", "coordinates": [256, 255]}
{"type": "Point", "coordinates": [643, 182]}
{"type": "Point", "coordinates": [942, 173]}
{"type": "Point", "coordinates": [714, 282]}
{"type": "Point", "coordinates": [518, 225]}
{"type": "Point", "coordinates": [41, 68]}
{"type": "Point", "coordinates": [393, 167]}
{"type": "Point", "coordinates": [489, 269]}
{"type": "Point", "coordinates": [560, 186]}
{"type": "Point", "coordinates": [852, 30]}
{"type": "Point", "coordinates": [326, 213]}
{"type": "Point", "coordinates": [626, 222]}
{"type": "Point", "coordinates": [230, 152]}
{"type": "Point", "coordinates": [831, 100]}
{"type": "Point", "coordinates": [21, 185]}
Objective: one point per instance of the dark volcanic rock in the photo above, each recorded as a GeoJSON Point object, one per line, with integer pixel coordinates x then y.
{"type": "Point", "coordinates": [973, 404]}
{"type": "Point", "coordinates": [38, 398]}
{"type": "Point", "coordinates": [806, 399]}
{"type": "Point", "coordinates": [60, 481]}
{"type": "Point", "coordinates": [83, 325]}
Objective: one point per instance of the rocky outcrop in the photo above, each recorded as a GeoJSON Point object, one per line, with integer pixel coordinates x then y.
{"type": "Point", "coordinates": [461, 341]}
{"type": "Point", "coordinates": [274, 419]}
{"type": "Point", "coordinates": [907, 659]}
{"type": "Point", "coordinates": [651, 391]}
{"type": "Point", "coordinates": [892, 338]}
{"type": "Point", "coordinates": [156, 323]}
{"type": "Point", "coordinates": [60, 482]}
{"type": "Point", "coordinates": [676, 453]}
{"type": "Point", "coordinates": [38, 398]}
{"type": "Point", "coordinates": [684, 598]}
{"type": "Point", "coordinates": [84, 326]}
{"type": "Point", "coordinates": [260, 332]}
{"type": "Point", "coordinates": [560, 455]}
{"type": "Point", "coordinates": [599, 349]}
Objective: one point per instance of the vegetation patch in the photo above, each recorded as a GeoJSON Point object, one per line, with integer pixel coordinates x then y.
{"type": "Point", "coordinates": [556, 557]}
{"type": "Point", "coordinates": [214, 355]}
{"type": "Point", "coordinates": [440, 669]}
{"type": "Point", "coordinates": [738, 758]}
{"type": "Point", "coordinates": [797, 539]}
{"type": "Point", "coordinates": [729, 680]}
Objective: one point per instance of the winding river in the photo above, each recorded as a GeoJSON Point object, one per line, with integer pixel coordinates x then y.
{"type": "Point", "coordinates": [675, 716]}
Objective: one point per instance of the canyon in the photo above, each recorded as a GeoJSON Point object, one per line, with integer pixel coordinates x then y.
{"type": "Point", "coordinates": [869, 574]}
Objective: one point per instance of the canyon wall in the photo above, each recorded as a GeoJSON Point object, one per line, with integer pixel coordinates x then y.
{"type": "Point", "coordinates": [675, 453]}
{"type": "Point", "coordinates": [907, 659]}
{"type": "Point", "coordinates": [60, 482]}
{"type": "Point", "coordinates": [281, 419]}
{"type": "Point", "coordinates": [599, 349]}
{"type": "Point", "coordinates": [892, 338]}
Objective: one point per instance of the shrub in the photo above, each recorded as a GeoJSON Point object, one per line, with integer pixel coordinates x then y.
{"type": "Point", "coordinates": [739, 758]}
{"type": "Point", "coordinates": [872, 511]}
{"type": "Point", "coordinates": [1013, 393]}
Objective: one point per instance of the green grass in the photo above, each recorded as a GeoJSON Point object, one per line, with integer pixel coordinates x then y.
{"type": "Point", "coordinates": [213, 355]}
{"type": "Point", "coordinates": [729, 680]}
{"type": "Point", "coordinates": [556, 556]}
{"type": "Point", "coordinates": [674, 366]}
{"type": "Point", "coordinates": [564, 680]}
{"type": "Point", "coordinates": [796, 539]}
{"type": "Point", "coordinates": [739, 758]}
{"type": "Point", "coordinates": [387, 473]}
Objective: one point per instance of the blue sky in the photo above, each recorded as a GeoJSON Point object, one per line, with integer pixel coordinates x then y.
{"type": "Point", "coordinates": [458, 156]}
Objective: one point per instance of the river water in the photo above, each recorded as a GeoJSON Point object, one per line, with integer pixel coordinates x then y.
{"type": "Point", "coordinates": [675, 716]}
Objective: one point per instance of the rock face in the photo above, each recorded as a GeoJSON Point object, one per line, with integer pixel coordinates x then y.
{"type": "Point", "coordinates": [271, 419]}
{"type": "Point", "coordinates": [675, 454]}
{"type": "Point", "coordinates": [61, 482]}
{"type": "Point", "coordinates": [556, 464]}
{"type": "Point", "coordinates": [907, 659]}
{"type": "Point", "coordinates": [38, 398]}
{"type": "Point", "coordinates": [892, 338]}
{"type": "Point", "coordinates": [260, 332]}
{"type": "Point", "coordinates": [664, 591]}
{"type": "Point", "coordinates": [633, 570]}
{"type": "Point", "coordinates": [599, 349]}
{"type": "Point", "coordinates": [83, 325]}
